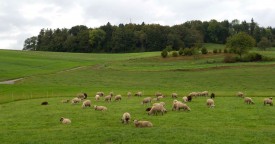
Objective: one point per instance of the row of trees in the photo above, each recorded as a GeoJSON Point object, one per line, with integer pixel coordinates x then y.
{"type": "Point", "coordinates": [144, 37]}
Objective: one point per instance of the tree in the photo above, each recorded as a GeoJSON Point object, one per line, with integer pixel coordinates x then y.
{"type": "Point", "coordinates": [264, 43]}
{"type": "Point", "coordinates": [30, 43]}
{"type": "Point", "coordinates": [240, 43]}
{"type": "Point", "coordinates": [96, 39]}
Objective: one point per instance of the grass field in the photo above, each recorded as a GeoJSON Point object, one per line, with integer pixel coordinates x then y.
{"type": "Point", "coordinates": [52, 77]}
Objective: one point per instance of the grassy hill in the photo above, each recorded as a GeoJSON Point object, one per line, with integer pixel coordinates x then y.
{"type": "Point", "coordinates": [51, 77]}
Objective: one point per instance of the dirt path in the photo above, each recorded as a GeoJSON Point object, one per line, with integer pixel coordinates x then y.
{"type": "Point", "coordinates": [11, 81]}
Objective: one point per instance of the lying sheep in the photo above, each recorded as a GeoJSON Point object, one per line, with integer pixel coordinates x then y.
{"type": "Point", "coordinates": [174, 95]}
{"type": "Point", "coordinates": [146, 100]}
{"type": "Point", "coordinates": [108, 98]}
{"type": "Point", "coordinates": [44, 103]}
{"type": "Point", "coordinates": [248, 100]}
{"type": "Point", "coordinates": [65, 120]}
{"type": "Point", "coordinates": [210, 103]}
{"type": "Point", "coordinates": [185, 99]}
{"type": "Point", "coordinates": [82, 96]}
{"type": "Point", "coordinates": [240, 94]}
{"type": "Point", "coordinates": [86, 103]}
{"type": "Point", "coordinates": [268, 101]}
{"type": "Point", "coordinates": [157, 108]}
{"type": "Point", "coordinates": [212, 95]}
{"type": "Point", "coordinates": [100, 94]}
{"type": "Point", "coordinates": [76, 100]}
{"type": "Point", "coordinates": [118, 97]}
{"type": "Point", "coordinates": [126, 118]}
{"type": "Point", "coordinates": [142, 124]}
{"type": "Point", "coordinates": [138, 94]}
{"type": "Point", "coordinates": [100, 108]}
{"type": "Point", "coordinates": [65, 101]}
{"type": "Point", "coordinates": [97, 97]}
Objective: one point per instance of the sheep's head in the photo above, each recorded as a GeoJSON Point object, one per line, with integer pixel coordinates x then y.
{"type": "Point", "coordinates": [61, 119]}
{"type": "Point", "coordinates": [95, 106]}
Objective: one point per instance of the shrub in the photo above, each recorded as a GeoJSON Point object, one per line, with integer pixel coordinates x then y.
{"type": "Point", "coordinates": [204, 50]}
{"type": "Point", "coordinates": [229, 59]}
{"type": "Point", "coordinates": [251, 57]}
{"type": "Point", "coordinates": [164, 53]}
{"type": "Point", "coordinates": [175, 53]}
{"type": "Point", "coordinates": [181, 51]}
{"type": "Point", "coordinates": [220, 50]}
{"type": "Point", "coordinates": [225, 50]}
{"type": "Point", "coordinates": [215, 51]}
{"type": "Point", "coordinates": [188, 51]}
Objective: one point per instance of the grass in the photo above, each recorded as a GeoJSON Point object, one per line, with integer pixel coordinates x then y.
{"type": "Point", "coordinates": [24, 120]}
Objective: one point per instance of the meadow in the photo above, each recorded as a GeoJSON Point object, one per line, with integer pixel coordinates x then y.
{"type": "Point", "coordinates": [52, 77]}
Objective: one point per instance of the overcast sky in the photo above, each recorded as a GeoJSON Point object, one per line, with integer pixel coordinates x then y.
{"type": "Point", "coordinates": [21, 19]}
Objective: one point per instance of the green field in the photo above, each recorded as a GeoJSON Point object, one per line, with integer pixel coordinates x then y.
{"type": "Point", "coordinates": [49, 76]}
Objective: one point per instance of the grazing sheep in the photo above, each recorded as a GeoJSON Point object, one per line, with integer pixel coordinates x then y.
{"type": "Point", "coordinates": [158, 94]}
{"type": "Point", "coordinates": [210, 103]}
{"type": "Point", "coordinates": [204, 93]}
{"type": "Point", "coordinates": [157, 108]}
{"type": "Point", "coordinates": [177, 105]}
{"type": "Point", "coordinates": [212, 95]}
{"type": "Point", "coordinates": [82, 96]}
{"type": "Point", "coordinates": [162, 103]}
{"type": "Point", "coordinates": [160, 97]}
{"type": "Point", "coordinates": [108, 98]}
{"type": "Point", "coordinates": [146, 100]}
{"type": "Point", "coordinates": [142, 124]}
{"type": "Point", "coordinates": [118, 97]}
{"type": "Point", "coordinates": [86, 103]}
{"type": "Point", "coordinates": [185, 99]}
{"type": "Point", "coordinates": [100, 108]}
{"type": "Point", "coordinates": [97, 97]}
{"type": "Point", "coordinates": [100, 94]}
{"type": "Point", "coordinates": [189, 98]}
{"type": "Point", "coordinates": [76, 100]}
{"type": "Point", "coordinates": [240, 94]}
{"type": "Point", "coordinates": [65, 120]}
{"type": "Point", "coordinates": [193, 94]}
{"type": "Point", "coordinates": [65, 101]}
{"type": "Point", "coordinates": [268, 101]}
{"type": "Point", "coordinates": [155, 99]}
{"type": "Point", "coordinates": [129, 94]}
{"type": "Point", "coordinates": [174, 95]}
{"type": "Point", "coordinates": [138, 94]}
{"type": "Point", "coordinates": [126, 118]}
{"type": "Point", "coordinates": [44, 103]}
{"type": "Point", "coordinates": [111, 94]}
{"type": "Point", "coordinates": [148, 109]}
{"type": "Point", "coordinates": [248, 100]}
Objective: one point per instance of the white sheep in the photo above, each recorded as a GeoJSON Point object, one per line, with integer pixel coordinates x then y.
{"type": "Point", "coordinates": [174, 95]}
{"type": "Point", "coordinates": [118, 97]}
{"type": "Point", "coordinates": [126, 117]}
{"type": "Point", "coordinates": [108, 98]}
{"type": "Point", "coordinates": [129, 94]}
{"type": "Point", "coordinates": [142, 124]}
{"type": "Point", "coordinates": [162, 103]}
{"type": "Point", "coordinates": [193, 94]}
{"type": "Point", "coordinates": [146, 100]}
{"type": "Point", "coordinates": [86, 103]}
{"type": "Point", "coordinates": [268, 101]}
{"type": "Point", "coordinates": [100, 108]}
{"type": "Point", "coordinates": [138, 94]}
{"type": "Point", "coordinates": [97, 97]}
{"type": "Point", "coordinates": [76, 100]}
{"type": "Point", "coordinates": [158, 94]}
{"type": "Point", "coordinates": [160, 97]}
{"type": "Point", "coordinates": [177, 105]}
{"type": "Point", "coordinates": [248, 100]}
{"type": "Point", "coordinates": [65, 120]}
{"type": "Point", "coordinates": [210, 103]}
{"type": "Point", "coordinates": [65, 101]}
{"type": "Point", "coordinates": [100, 94]}
{"type": "Point", "coordinates": [82, 96]}
{"type": "Point", "coordinates": [185, 99]}
{"type": "Point", "coordinates": [157, 108]}
{"type": "Point", "coordinates": [240, 94]}
{"type": "Point", "coordinates": [204, 93]}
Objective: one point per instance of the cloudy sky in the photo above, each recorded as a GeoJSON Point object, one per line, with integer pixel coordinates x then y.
{"type": "Point", "coordinates": [21, 19]}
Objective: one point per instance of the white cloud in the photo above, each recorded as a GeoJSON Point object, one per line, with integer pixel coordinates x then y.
{"type": "Point", "coordinates": [25, 18]}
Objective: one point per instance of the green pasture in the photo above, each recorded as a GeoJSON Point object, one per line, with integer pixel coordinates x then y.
{"type": "Point", "coordinates": [51, 76]}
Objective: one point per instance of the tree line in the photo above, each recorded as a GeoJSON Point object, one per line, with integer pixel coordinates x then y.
{"type": "Point", "coordinates": [143, 37]}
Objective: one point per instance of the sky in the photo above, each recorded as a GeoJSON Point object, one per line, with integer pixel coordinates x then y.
{"type": "Point", "coordinates": [21, 19]}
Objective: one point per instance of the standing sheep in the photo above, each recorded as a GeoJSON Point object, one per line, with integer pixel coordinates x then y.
{"type": "Point", "coordinates": [210, 103]}
{"type": "Point", "coordinates": [118, 97]}
{"type": "Point", "coordinates": [212, 95]}
{"type": "Point", "coordinates": [157, 108]}
{"type": "Point", "coordinates": [108, 98]}
{"type": "Point", "coordinates": [268, 101]}
{"type": "Point", "coordinates": [248, 100]}
{"type": "Point", "coordinates": [138, 94]}
{"type": "Point", "coordinates": [100, 108]}
{"type": "Point", "coordinates": [240, 94]}
{"type": "Point", "coordinates": [126, 118]}
{"type": "Point", "coordinates": [189, 98]}
{"type": "Point", "coordinates": [204, 93]}
{"type": "Point", "coordinates": [158, 94]}
{"type": "Point", "coordinates": [100, 94]}
{"type": "Point", "coordinates": [65, 120]}
{"type": "Point", "coordinates": [65, 101]}
{"type": "Point", "coordinates": [142, 124]}
{"type": "Point", "coordinates": [82, 96]}
{"type": "Point", "coordinates": [185, 99]}
{"type": "Point", "coordinates": [160, 97]}
{"type": "Point", "coordinates": [129, 94]}
{"type": "Point", "coordinates": [97, 97]}
{"type": "Point", "coordinates": [76, 100]}
{"type": "Point", "coordinates": [146, 100]}
{"type": "Point", "coordinates": [177, 105]}
{"type": "Point", "coordinates": [86, 103]}
{"type": "Point", "coordinates": [174, 95]}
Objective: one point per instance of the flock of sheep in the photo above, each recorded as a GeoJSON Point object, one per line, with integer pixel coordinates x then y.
{"type": "Point", "coordinates": [155, 109]}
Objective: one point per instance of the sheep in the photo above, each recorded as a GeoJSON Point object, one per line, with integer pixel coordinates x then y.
{"type": "Point", "coordinates": [157, 108]}
{"type": "Point", "coordinates": [148, 109]}
{"type": "Point", "coordinates": [210, 103]}
{"type": "Point", "coordinates": [212, 95]}
{"type": "Point", "coordinates": [146, 100]}
{"type": "Point", "coordinates": [129, 94]}
{"type": "Point", "coordinates": [192, 94]}
{"type": "Point", "coordinates": [268, 101]}
{"type": "Point", "coordinates": [204, 93]}
{"type": "Point", "coordinates": [248, 100]}
{"type": "Point", "coordinates": [160, 97]}
{"type": "Point", "coordinates": [82, 96]}
{"type": "Point", "coordinates": [189, 98]}
{"type": "Point", "coordinates": [75, 100]}
{"type": "Point", "coordinates": [138, 94]}
{"type": "Point", "coordinates": [240, 94]}
{"type": "Point", "coordinates": [126, 118]}
{"type": "Point", "coordinates": [100, 108]}
{"type": "Point", "coordinates": [142, 124]}
{"type": "Point", "coordinates": [118, 97]}
{"type": "Point", "coordinates": [108, 98]}
{"type": "Point", "coordinates": [65, 101]}
{"type": "Point", "coordinates": [101, 94]}
{"type": "Point", "coordinates": [65, 120]}
{"type": "Point", "coordinates": [86, 103]}
{"type": "Point", "coordinates": [158, 94]}
{"type": "Point", "coordinates": [111, 94]}
{"type": "Point", "coordinates": [97, 97]}
{"type": "Point", "coordinates": [184, 99]}
{"type": "Point", "coordinates": [177, 105]}
{"type": "Point", "coordinates": [44, 103]}
{"type": "Point", "coordinates": [162, 103]}
{"type": "Point", "coordinates": [174, 95]}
